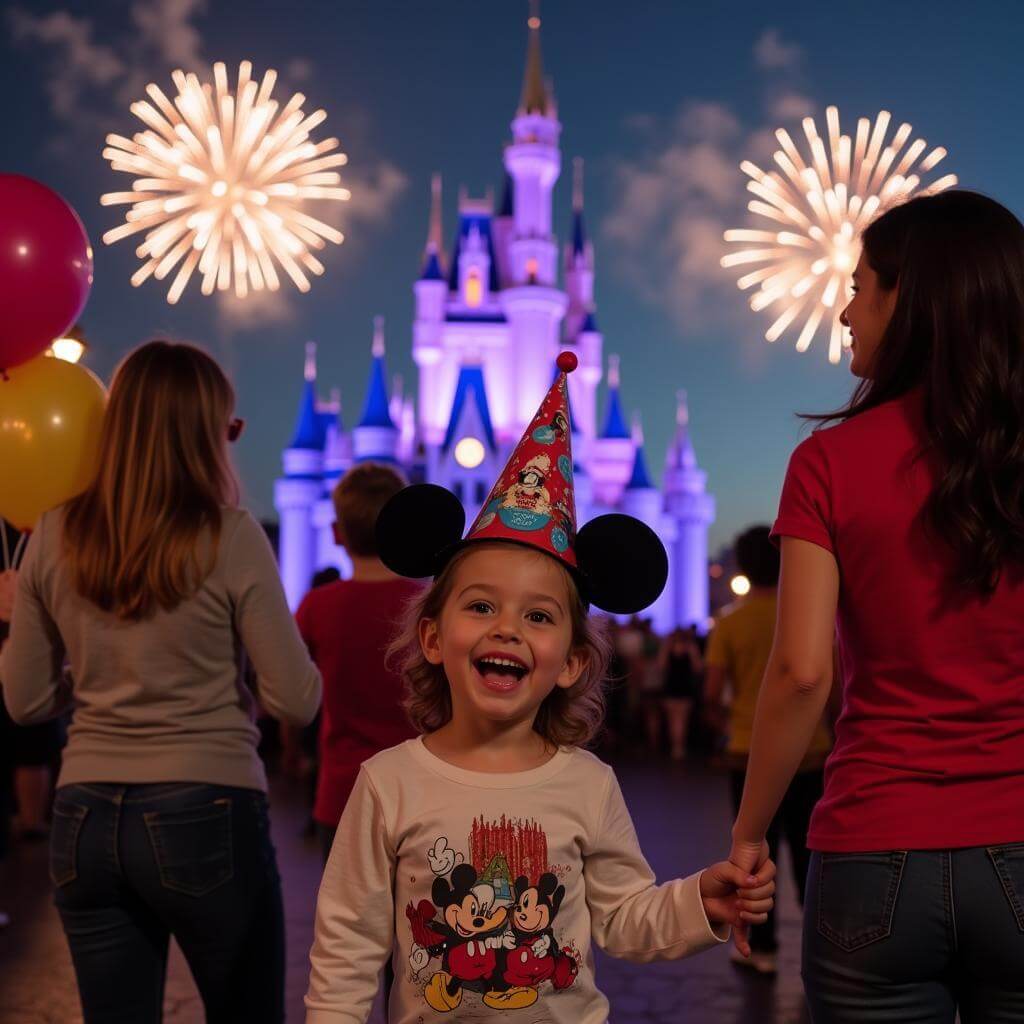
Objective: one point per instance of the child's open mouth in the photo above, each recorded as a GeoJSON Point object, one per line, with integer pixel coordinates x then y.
{"type": "Point", "coordinates": [500, 672]}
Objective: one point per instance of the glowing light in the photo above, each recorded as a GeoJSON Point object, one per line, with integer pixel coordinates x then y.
{"type": "Point", "coordinates": [474, 289]}
{"type": "Point", "coordinates": [221, 180]}
{"type": "Point", "coordinates": [816, 205]}
{"type": "Point", "coordinates": [715, 572]}
{"type": "Point", "coordinates": [469, 453]}
{"type": "Point", "coordinates": [739, 585]}
{"type": "Point", "coordinates": [68, 349]}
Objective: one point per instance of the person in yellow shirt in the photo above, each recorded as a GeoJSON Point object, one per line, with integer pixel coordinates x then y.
{"type": "Point", "coordinates": [737, 655]}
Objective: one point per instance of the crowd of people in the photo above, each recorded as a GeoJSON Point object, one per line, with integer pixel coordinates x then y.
{"type": "Point", "coordinates": [474, 848]}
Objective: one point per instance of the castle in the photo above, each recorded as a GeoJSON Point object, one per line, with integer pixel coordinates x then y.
{"type": "Point", "coordinates": [490, 318]}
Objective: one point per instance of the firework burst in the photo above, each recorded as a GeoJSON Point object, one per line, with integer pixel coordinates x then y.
{"type": "Point", "coordinates": [221, 179]}
{"type": "Point", "coordinates": [819, 204]}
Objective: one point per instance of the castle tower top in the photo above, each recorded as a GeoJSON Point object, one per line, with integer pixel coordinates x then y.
{"type": "Point", "coordinates": [535, 98]}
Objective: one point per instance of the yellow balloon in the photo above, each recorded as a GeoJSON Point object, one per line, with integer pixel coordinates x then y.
{"type": "Point", "coordinates": [51, 413]}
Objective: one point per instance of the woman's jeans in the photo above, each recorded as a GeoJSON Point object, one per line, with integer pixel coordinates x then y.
{"type": "Point", "coordinates": [914, 936]}
{"type": "Point", "coordinates": [134, 865]}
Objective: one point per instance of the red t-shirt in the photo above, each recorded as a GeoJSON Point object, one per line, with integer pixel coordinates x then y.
{"type": "Point", "coordinates": [348, 626]}
{"type": "Point", "coordinates": [929, 748]}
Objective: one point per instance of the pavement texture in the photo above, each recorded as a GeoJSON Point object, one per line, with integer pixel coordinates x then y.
{"type": "Point", "coordinates": [682, 815]}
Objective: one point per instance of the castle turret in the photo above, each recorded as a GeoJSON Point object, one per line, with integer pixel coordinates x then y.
{"type": "Point", "coordinates": [611, 462]}
{"type": "Point", "coordinates": [297, 491]}
{"type": "Point", "coordinates": [533, 303]}
{"type": "Point", "coordinates": [693, 510]}
{"type": "Point", "coordinates": [376, 436]}
{"type": "Point", "coordinates": [431, 290]}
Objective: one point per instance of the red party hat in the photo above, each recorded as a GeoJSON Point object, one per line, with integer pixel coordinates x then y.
{"type": "Point", "coordinates": [533, 502]}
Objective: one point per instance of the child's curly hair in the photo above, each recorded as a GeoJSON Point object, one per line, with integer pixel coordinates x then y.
{"type": "Point", "coordinates": [567, 717]}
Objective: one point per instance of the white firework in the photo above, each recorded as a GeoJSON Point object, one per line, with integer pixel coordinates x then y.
{"type": "Point", "coordinates": [221, 179]}
{"type": "Point", "coordinates": [821, 203]}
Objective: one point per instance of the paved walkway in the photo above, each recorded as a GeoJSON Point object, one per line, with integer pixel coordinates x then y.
{"type": "Point", "coordinates": [682, 817]}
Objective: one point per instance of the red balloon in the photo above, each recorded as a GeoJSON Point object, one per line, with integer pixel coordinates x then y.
{"type": "Point", "coordinates": [45, 268]}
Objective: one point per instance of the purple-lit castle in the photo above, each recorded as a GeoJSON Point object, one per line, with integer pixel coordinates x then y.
{"type": "Point", "coordinates": [490, 320]}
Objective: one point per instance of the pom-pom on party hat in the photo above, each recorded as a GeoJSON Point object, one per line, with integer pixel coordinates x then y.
{"type": "Point", "coordinates": [618, 562]}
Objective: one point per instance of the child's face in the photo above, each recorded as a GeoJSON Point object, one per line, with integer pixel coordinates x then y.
{"type": "Point", "coordinates": [504, 635]}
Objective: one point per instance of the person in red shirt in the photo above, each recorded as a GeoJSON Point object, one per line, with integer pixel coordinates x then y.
{"type": "Point", "coordinates": [347, 626]}
{"type": "Point", "coordinates": [902, 530]}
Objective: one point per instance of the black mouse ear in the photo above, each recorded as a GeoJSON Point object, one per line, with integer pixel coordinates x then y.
{"type": "Point", "coordinates": [463, 878]}
{"type": "Point", "coordinates": [417, 529]}
{"type": "Point", "coordinates": [623, 563]}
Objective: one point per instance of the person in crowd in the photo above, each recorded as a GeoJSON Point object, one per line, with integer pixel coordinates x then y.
{"type": "Point", "coordinates": [680, 665]}
{"type": "Point", "coordinates": [904, 523]}
{"type": "Point", "coordinates": [738, 653]}
{"type": "Point", "coordinates": [347, 626]}
{"type": "Point", "coordinates": [444, 860]}
{"type": "Point", "coordinates": [650, 683]}
{"type": "Point", "coordinates": [151, 582]}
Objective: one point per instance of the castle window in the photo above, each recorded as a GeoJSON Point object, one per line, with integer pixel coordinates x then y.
{"type": "Point", "coordinates": [457, 489]}
{"type": "Point", "coordinates": [474, 288]}
{"type": "Point", "coordinates": [480, 492]}
{"type": "Point", "coordinates": [531, 270]}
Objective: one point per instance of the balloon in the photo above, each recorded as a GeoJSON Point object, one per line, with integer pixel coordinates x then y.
{"type": "Point", "coordinates": [51, 413]}
{"type": "Point", "coordinates": [45, 268]}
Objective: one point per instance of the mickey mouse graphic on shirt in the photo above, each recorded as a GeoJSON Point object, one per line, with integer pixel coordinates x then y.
{"type": "Point", "coordinates": [536, 957]}
{"type": "Point", "coordinates": [492, 936]}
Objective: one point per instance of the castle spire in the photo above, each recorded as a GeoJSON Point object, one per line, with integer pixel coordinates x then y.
{"type": "Point", "coordinates": [640, 478]}
{"type": "Point", "coordinates": [376, 411]}
{"type": "Point", "coordinates": [579, 230]}
{"type": "Point", "coordinates": [309, 370]}
{"type": "Point", "coordinates": [534, 98]}
{"type": "Point", "coordinates": [680, 452]}
{"type": "Point", "coordinates": [614, 421]}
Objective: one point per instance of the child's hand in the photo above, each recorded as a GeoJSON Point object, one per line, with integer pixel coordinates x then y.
{"type": "Point", "coordinates": [733, 896]}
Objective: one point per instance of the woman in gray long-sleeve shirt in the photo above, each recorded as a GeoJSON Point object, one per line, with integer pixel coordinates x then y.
{"type": "Point", "coordinates": [151, 583]}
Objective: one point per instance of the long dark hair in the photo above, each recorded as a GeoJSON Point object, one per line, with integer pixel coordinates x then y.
{"type": "Point", "coordinates": [957, 331]}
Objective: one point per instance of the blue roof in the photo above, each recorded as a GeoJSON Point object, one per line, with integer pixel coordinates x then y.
{"type": "Point", "coordinates": [470, 387]}
{"type": "Point", "coordinates": [326, 420]}
{"type": "Point", "coordinates": [589, 324]}
{"type": "Point", "coordinates": [641, 479]}
{"type": "Point", "coordinates": [579, 233]}
{"type": "Point", "coordinates": [614, 421]}
{"type": "Point", "coordinates": [376, 412]}
{"type": "Point", "coordinates": [483, 225]}
{"type": "Point", "coordinates": [431, 270]}
{"type": "Point", "coordinates": [310, 429]}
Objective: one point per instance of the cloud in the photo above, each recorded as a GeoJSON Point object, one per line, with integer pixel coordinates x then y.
{"type": "Point", "coordinates": [684, 187]}
{"type": "Point", "coordinates": [78, 65]}
{"type": "Point", "coordinates": [259, 309]}
{"type": "Point", "coordinates": [772, 53]}
{"type": "Point", "coordinates": [165, 27]}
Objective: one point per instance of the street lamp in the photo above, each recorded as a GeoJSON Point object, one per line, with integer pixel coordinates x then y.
{"type": "Point", "coordinates": [71, 347]}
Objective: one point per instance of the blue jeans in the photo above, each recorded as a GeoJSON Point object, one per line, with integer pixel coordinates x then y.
{"type": "Point", "coordinates": [134, 865]}
{"type": "Point", "coordinates": [915, 936]}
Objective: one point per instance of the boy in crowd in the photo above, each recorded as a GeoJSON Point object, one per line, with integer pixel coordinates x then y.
{"type": "Point", "coordinates": [348, 626]}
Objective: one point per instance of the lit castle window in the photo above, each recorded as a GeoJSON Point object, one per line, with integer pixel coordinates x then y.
{"type": "Point", "coordinates": [474, 289]}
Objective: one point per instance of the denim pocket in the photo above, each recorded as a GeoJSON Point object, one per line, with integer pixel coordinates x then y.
{"type": "Point", "coordinates": [857, 897]}
{"type": "Point", "coordinates": [1009, 864]}
{"type": "Point", "coordinates": [192, 847]}
{"type": "Point", "coordinates": [67, 824]}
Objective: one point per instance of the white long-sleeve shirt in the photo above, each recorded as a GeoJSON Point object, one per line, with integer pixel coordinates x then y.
{"type": "Point", "coordinates": [483, 887]}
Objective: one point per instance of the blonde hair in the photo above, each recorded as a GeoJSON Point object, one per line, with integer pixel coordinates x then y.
{"type": "Point", "coordinates": [358, 498]}
{"type": "Point", "coordinates": [132, 539]}
{"type": "Point", "coordinates": [567, 717]}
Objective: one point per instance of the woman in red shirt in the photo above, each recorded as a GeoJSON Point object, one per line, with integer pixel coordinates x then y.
{"type": "Point", "coordinates": [902, 532]}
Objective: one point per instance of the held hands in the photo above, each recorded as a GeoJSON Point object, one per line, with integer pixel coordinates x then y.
{"type": "Point", "coordinates": [732, 895]}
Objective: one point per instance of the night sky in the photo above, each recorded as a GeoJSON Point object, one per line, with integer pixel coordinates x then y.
{"type": "Point", "coordinates": [662, 99]}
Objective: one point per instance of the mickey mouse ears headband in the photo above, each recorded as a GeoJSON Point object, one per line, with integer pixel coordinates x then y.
{"type": "Point", "coordinates": [617, 561]}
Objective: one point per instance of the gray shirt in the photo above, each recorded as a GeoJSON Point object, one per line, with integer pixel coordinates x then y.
{"type": "Point", "coordinates": [162, 699]}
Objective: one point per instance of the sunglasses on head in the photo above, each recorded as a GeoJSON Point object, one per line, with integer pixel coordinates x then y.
{"type": "Point", "coordinates": [235, 428]}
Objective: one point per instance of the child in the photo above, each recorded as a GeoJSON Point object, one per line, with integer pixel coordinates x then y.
{"type": "Point", "coordinates": [347, 626]}
{"type": "Point", "coordinates": [482, 856]}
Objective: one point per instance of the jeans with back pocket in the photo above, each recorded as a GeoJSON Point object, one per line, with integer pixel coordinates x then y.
{"type": "Point", "coordinates": [135, 864]}
{"type": "Point", "coordinates": [915, 936]}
